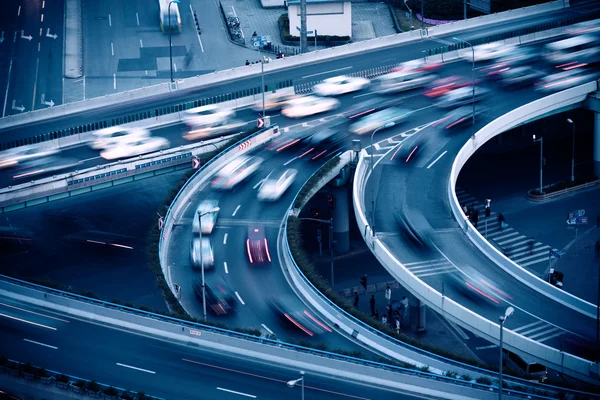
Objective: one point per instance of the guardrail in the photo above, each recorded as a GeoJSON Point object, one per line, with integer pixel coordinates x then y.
{"type": "Point", "coordinates": [553, 358]}
{"type": "Point", "coordinates": [553, 195]}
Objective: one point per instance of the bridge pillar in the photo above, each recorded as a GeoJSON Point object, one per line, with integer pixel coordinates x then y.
{"type": "Point", "coordinates": [341, 220]}
{"type": "Point", "coordinates": [597, 144]}
{"type": "Point", "coordinates": [420, 313]}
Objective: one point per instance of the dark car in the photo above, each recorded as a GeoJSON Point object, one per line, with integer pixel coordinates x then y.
{"type": "Point", "coordinates": [415, 229]}
{"type": "Point", "coordinates": [372, 105]}
{"type": "Point", "coordinates": [219, 298]}
{"type": "Point", "coordinates": [477, 287]}
{"type": "Point", "coordinates": [520, 76]}
{"type": "Point", "coordinates": [408, 151]}
{"type": "Point", "coordinates": [290, 140]}
{"type": "Point", "coordinates": [457, 118]}
{"type": "Point", "coordinates": [300, 319]}
{"type": "Point", "coordinates": [257, 246]}
{"type": "Point", "coordinates": [324, 143]}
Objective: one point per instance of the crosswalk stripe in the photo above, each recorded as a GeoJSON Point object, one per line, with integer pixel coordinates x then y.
{"type": "Point", "coordinates": [423, 262]}
{"type": "Point", "coordinates": [420, 267]}
{"type": "Point", "coordinates": [506, 235]}
{"type": "Point", "coordinates": [437, 273]}
{"type": "Point", "coordinates": [433, 269]}
{"type": "Point", "coordinates": [527, 326]}
{"type": "Point", "coordinates": [543, 250]}
{"type": "Point", "coordinates": [515, 248]}
{"type": "Point", "coordinates": [550, 337]}
{"type": "Point", "coordinates": [513, 239]}
{"type": "Point", "coordinates": [528, 257]}
{"type": "Point", "coordinates": [550, 331]}
{"type": "Point", "coordinates": [544, 259]}
{"type": "Point", "coordinates": [537, 328]}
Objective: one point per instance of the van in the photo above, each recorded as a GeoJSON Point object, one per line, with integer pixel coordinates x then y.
{"type": "Point", "coordinates": [536, 371]}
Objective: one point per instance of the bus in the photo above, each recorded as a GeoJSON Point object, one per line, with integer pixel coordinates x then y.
{"type": "Point", "coordinates": [175, 24]}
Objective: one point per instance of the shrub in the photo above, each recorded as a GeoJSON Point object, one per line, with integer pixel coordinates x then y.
{"type": "Point", "coordinates": [80, 384]}
{"type": "Point", "coordinates": [424, 368]}
{"type": "Point", "coordinates": [451, 374]}
{"type": "Point", "coordinates": [484, 380]}
{"type": "Point", "coordinates": [141, 396]}
{"type": "Point", "coordinates": [62, 378]}
{"type": "Point", "coordinates": [3, 361]}
{"type": "Point", "coordinates": [110, 391]}
{"type": "Point", "coordinates": [466, 377]}
{"type": "Point", "coordinates": [93, 387]}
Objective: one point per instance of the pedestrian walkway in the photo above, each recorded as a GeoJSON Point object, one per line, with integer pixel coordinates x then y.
{"type": "Point", "coordinates": [522, 249]}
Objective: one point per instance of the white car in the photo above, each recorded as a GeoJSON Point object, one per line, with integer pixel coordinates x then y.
{"type": "Point", "coordinates": [208, 220]}
{"type": "Point", "coordinates": [207, 115]}
{"type": "Point", "coordinates": [340, 85]}
{"type": "Point", "coordinates": [565, 80]}
{"type": "Point", "coordinates": [402, 80]}
{"type": "Point", "coordinates": [204, 252]}
{"type": "Point", "coordinates": [219, 129]}
{"type": "Point", "coordinates": [134, 148]}
{"type": "Point", "coordinates": [309, 105]}
{"type": "Point", "coordinates": [486, 52]}
{"type": "Point", "coordinates": [273, 102]}
{"type": "Point", "coordinates": [276, 184]}
{"type": "Point", "coordinates": [12, 157]}
{"type": "Point", "coordinates": [236, 172]}
{"type": "Point", "coordinates": [379, 119]}
{"type": "Point", "coordinates": [109, 137]}
{"type": "Point", "coordinates": [461, 96]}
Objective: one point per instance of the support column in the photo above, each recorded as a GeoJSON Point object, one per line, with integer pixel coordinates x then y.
{"type": "Point", "coordinates": [422, 317]}
{"type": "Point", "coordinates": [341, 220]}
{"type": "Point", "coordinates": [597, 144]}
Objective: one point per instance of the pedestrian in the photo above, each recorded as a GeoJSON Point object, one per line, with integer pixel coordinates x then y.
{"type": "Point", "coordinates": [384, 320]}
{"type": "Point", "coordinates": [465, 210]}
{"type": "Point", "coordinates": [597, 249]}
{"type": "Point", "coordinates": [404, 308]}
{"type": "Point", "coordinates": [372, 304]}
{"type": "Point", "coordinates": [377, 315]}
{"type": "Point", "coordinates": [476, 217]}
{"type": "Point", "coordinates": [389, 313]}
{"type": "Point", "coordinates": [247, 62]}
{"type": "Point", "coordinates": [388, 294]}
{"type": "Point", "coordinates": [356, 299]}
{"type": "Point", "coordinates": [501, 221]}
{"type": "Point", "coordinates": [397, 323]}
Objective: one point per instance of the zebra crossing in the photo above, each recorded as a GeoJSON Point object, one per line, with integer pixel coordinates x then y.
{"type": "Point", "coordinates": [540, 331]}
{"type": "Point", "coordinates": [422, 269]}
{"type": "Point", "coordinates": [521, 249]}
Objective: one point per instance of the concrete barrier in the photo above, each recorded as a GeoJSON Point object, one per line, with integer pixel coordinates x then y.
{"type": "Point", "coordinates": [73, 39]}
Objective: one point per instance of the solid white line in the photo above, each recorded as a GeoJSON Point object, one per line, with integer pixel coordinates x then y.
{"type": "Point", "coordinates": [83, 89]}
{"type": "Point", "coordinates": [28, 322]}
{"type": "Point", "coordinates": [7, 86]}
{"type": "Point", "coordinates": [267, 329]}
{"type": "Point", "coordinates": [41, 344]}
{"type": "Point", "coordinates": [234, 392]}
{"type": "Point", "coordinates": [259, 183]}
{"type": "Point", "coordinates": [37, 69]}
{"type": "Point", "coordinates": [136, 368]}
{"type": "Point", "coordinates": [33, 312]}
{"type": "Point", "coordinates": [364, 94]}
{"type": "Point", "coordinates": [197, 34]}
{"type": "Point", "coordinates": [225, 238]}
{"type": "Point", "coordinates": [459, 330]}
{"type": "Point", "coordinates": [112, 48]}
{"type": "Point", "coordinates": [137, 18]}
{"type": "Point", "coordinates": [240, 298]}
{"type": "Point", "coordinates": [437, 159]}
{"type": "Point", "coordinates": [225, 265]}
{"type": "Point", "coordinates": [236, 210]}
{"type": "Point", "coordinates": [491, 346]}
{"type": "Point", "coordinates": [327, 72]}
{"type": "Point", "coordinates": [90, 159]}
{"type": "Point", "coordinates": [141, 43]}
{"type": "Point", "coordinates": [109, 20]}
{"type": "Point", "coordinates": [115, 81]}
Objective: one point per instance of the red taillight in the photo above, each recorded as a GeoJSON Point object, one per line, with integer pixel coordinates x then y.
{"type": "Point", "coordinates": [456, 122]}
{"type": "Point", "coordinates": [306, 152]}
{"type": "Point", "coordinates": [285, 146]}
{"type": "Point", "coordinates": [362, 113]}
{"type": "Point", "coordinates": [293, 321]}
{"type": "Point", "coordinates": [249, 252]}
{"type": "Point", "coordinates": [319, 155]}
{"type": "Point", "coordinates": [322, 325]}
{"type": "Point", "coordinates": [267, 250]}
{"type": "Point", "coordinates": [483, 293]}
{"type": "Point", "coordinates": [396, 152]}
{"type": "Point", "coordinates": [411, 153]}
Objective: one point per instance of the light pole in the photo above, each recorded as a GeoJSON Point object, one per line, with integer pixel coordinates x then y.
{"type": "Point", "coordinates": [170, 46]}
{"type": "Point", "coordinates": [569, 120]}
{"type": "Point", "coordinates": [388, 125]}
{"type": "Point", "coordinates": [262, 78]}
{"type": "Point", "coordinates": [295, 382]}
{"type": "Point", "coordinates": [472, 73]}
{"type": "Point", "coordinates": [330, 223]}
{"type": "Point", "coordinates": [200, 215]}
{"type": "Point", "coordinates": [509, 311]}
{"type": "Point", "coordinates": [541, 140]}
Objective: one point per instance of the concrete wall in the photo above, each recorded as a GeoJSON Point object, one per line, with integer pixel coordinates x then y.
{"type": "Point", "coordinates": [334, 19]}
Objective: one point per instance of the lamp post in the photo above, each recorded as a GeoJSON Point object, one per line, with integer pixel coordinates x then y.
{"type": "Point", "coordinates": [388, 125]}
{"type": "Point", "coordinates": [330, 223]}
{"type": "Point", "coordinates": [170, 46]}
{"type": "Point", "coordinates": [541, 140]}
{"type": "Point", "coordinates": [295, 382]}
{"type": "Point", "coordinates": [200, 215]}
{"type": "Point", "coordinates": [570, 121]}
{"type": "Point", "coordinates": [262, 78]}
{"type": "Point", "coordinates": [509, 311]}
{"type": "Point", "coordinates": [472, 73]}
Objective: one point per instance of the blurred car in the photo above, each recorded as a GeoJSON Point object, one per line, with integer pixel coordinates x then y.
{"type": "Point", "coordinates": [273, 102]}
{"type": "Point", "coordinates": [339, 85]}
{"type": "Point", "coordinates": [300, 319]}
{"type": "Point", "coordinates": [219, 297]}
{"type": "Point", "coordinates": [464, 95]}
{"type": "Point", "coordinates": [208, 220]}
{"type": "Point", "coordinates": [276, 183]}
{"type": "Point", "coordinates": [309, 105]}
{"type": "Point", "coordinates": [519, 76]}
{"type": "Point", "coordinates": [207, 115]}
{"type": "Point", "coordinates": [46, 165]}
{"type": "Point", "coordinates": [324, 143]}
{"type": "Point", "coordinates": [487, 52]}
{"type": "Point", "coordinates": [257, 246]}
{"type": "Point", "coordinates": [459, 117]}
{"type": "Point", "coordinates": [409, 150]}
{"type": "Point", "coordinates": [135, 147]}
{"type": "Point", "coordinates": [521, 55]}
{"type": "Point", "coordinates": [573, 51]}
{"type": "Point", "coordinates": [416, 65]}
{"type": "Point", "coordinates": [216, 130]}
{"type": "Point", "coordinates": [414, 228]}
{"type": "Point", "coordinates": [402, 80]}
{"type": "Point", "coordinates": [442, 86]}
{"type": "Point", "coordinates": [474, 285]}
{"type": "Point", "coordinates": [202, 252]}
{"type": "Point", "coordinates": [379, 119]}
{"type": "Point", "coordinates": [289, 140]}
{"type": "Point", "coordinates": [372, 105]}
{"type": "Point", "coordinates": [109, 137]}
{"type": "Point", "coordinates": [236, 172]}
{"type": "Point", "coordinates": [12, 157]}
{"type": "Point", "coordinates": [564, 80]}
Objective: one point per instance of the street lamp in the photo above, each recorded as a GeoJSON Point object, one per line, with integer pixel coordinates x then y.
{"type": "Point", "coordinates": [295, 382]}
{"type": "Point", "coordinates": [473, 72]}
{"type": "Point", "coordinates": [200, 215]}
{"type": "Point", "coordinates": [388, 125]}
{"type": "Point", "coordinates": [541, 140]}
{"type": "Point", "coordinates": [569, 120]}
{"type": "Point", "coordinates": [330, 223]}
{"type": "Point", "coordinates": [262, 78]}
{"type": "Point", "coordinates": [509, 311]}
{"type": "Point", "coordinates": [170, 46]}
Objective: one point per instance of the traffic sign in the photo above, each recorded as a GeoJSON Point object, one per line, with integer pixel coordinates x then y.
{"type": "Point", "coordinates": [260, 122]}
{"type": "Point", "coordinates": [577, 221]}
{"type": "Point", "coordinates": [245, 145]}
{"type": "Point", "coordinates": [578, 213]}
{"type": "Point", "coordinates": [195, 163]}
{"type": "Point", "coordinates": [307, 32]}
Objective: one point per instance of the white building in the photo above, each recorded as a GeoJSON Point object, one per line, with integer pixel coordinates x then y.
{"type": "Point", "coordinates": [327, 17]}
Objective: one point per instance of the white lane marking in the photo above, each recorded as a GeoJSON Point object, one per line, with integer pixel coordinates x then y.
{"type": "Point", "coordinates": [114, 81]}
{"type": "Point", "coordinates": [41, 344]}
{"type": "Point", "coordinates": [33, 312]}
{"type": "Point", "coordinates": [197, 33]}
{"type": "Point", "coordinates": [240, 298]}
{"type": "Point", "coordinates": [259, 183]}
{"type": "Point", "coordinates": [42, 18]}
{"type": "Point", "coordinates": [267, 329]}
{"type": "Point", "coordinates": [491, 346]}
{"type": "Point", "coordinates": [19, 11]}
{"type": "Point", "coordinates": [327, 72]}
{"type": "Point", "coordinates": [90, 159]}
{"type": "Point", "coordinates": [37, 69]}
{"type": "Point", "coordinates": [43, 3]}
{"type": "Point", "coordinates": [458, 329]}
{"type": "Point", "coordinates": [141, 43]}
{"type": "Point", "coordinates": [225, 238]}
{"type": "Point", "coordinates": [236, 210]}
{"type": "Point", "coordinates": [362, 95]}
{"type": "Point", "coordinates": [437, 159]}
{"type": "Point", "coordinates": [137, 18]}
{"type": "Point", "coordinates": [136, 368]}
{"type": "Point", "coordinates": [112, 48]}
{"type": "Point", "coordinates": [175, 67]}
{"type": "Point", "coordinates": [226, 269]}
{"type": "Point", "coordinates": [109, 20]}
{"type": "Point", "coordinates": [233, 391]}
{"type": "Point", "coordinates": [27, 322]}
{"type": "Point", "coordinates": [7, 86]}
{"type": "Point", "coordinates": [527, 326]}
{"type": "Point", "coordinates": [289, 161]}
